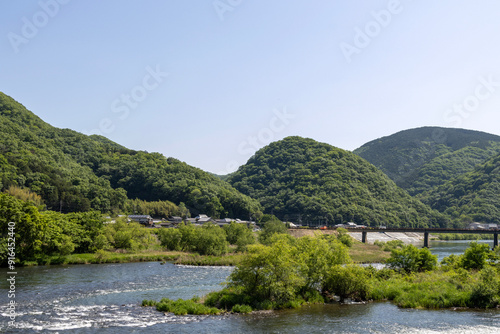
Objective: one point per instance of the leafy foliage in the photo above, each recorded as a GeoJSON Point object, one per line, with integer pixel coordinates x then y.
{"type": "Point", "coordinates": [240, 235]}
{"type": "Point", "coordinates": [73, 172]}
{"type": "Point", "coordinates": [411, 259]}
{"type": "Point", "coordinates": [181, 307]}
{"type": "Point", "coordinates": [420, 159]}
{"type": "Point", "coordinates": [127, 235]}
{"type": "Point", "coordinates": [470, 197]}
{"type": "Point", "coordinates": [350, 281]}
{"type": "Point", "coordinates": [272, 227]}
{"type": "Point", "coordinates": [305, 181]}
{"type": "Point", "coordinates": [206, 240]}
{"type": "Point", "coordinates": [39, 234]}
{"type": "Point", "coordinates": [283, 274]}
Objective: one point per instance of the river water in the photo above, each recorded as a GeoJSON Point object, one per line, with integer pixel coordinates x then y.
{"type": "Point", "coordinates": [106, 299]}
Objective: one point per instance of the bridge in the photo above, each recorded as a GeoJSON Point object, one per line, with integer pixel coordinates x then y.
{"type": "Point", "coordinates": [425, 231]}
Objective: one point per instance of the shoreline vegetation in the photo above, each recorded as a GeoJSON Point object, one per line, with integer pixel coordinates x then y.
{"type": "Point", "coordinates": [360, 253]}
{"type": "Point", "coordinates": [290, 273]}
{"type": "Point", "coordinates": [456, 236]}
{"type": "Point", "coordinates": [102, 257]}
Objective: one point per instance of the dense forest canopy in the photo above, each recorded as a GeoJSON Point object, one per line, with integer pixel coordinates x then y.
{"type": "Point", "coordinates": [423, 158]}
{"type": "Point", "coordinates": [74, 172]}
{"type": "Point", "coordinates": [473, 196]}
{"type": "Point", "coordinates": [302, 180]}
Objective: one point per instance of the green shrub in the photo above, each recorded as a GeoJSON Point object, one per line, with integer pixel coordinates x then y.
{"type": "Point", "coordinates": [271, 227]}
{"type": "Point", "coordinates": [147, 302]}
{"type": "Point", "coordinates": [241, 308]}
{"type": "Point", "coordinates": [411, 259]}
{"type": "Point", "coordinates": [486, 292]}
{"type": "Point", "coordinates": [183, 307]}
{"type": "Point", "coordinates": [389, 245]}
{"type": "Point", "coordinates": [170, 238]}
{"type": "Point", "coordinates": [227, 298]}
{"type": "Point", "coordinates": [475, 256]}
{"type": "Point", "coordinates": [211, 240]}
{"type": "Point", "coordinates": [451, 262]}
{"type": "Point", "coordinates": [350, 281]}
{"type": "Point", "coordinates": [240, 235]}
{"type": "Point", "coordinates": [346, 240]}
{"type": "Point", "coordinates": [266, 305]}
{"type": "Point", "coordinates": [313, 297]}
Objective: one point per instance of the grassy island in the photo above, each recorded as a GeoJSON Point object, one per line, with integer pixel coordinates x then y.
{"type": "Point", "coordinates": [290, 272]}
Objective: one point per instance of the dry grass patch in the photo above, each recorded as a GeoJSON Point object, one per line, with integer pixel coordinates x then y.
{"type": "Point", "coordinates": [367, 253]}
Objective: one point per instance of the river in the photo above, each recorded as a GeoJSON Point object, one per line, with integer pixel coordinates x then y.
{"type": "Point", "coordinates": [106, 299]}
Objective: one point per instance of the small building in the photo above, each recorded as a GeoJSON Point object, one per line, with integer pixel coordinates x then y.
{"type": "Point", "coordinates": [145, 220]}
{"type": "Point", "coordinates": [475, 226]}
{"type": "Point", "coordinates": [202, 219]}
{"type": "Point", "coordinates": [224, 222]}
{"type": "Point", "coordinates": [481, 226]}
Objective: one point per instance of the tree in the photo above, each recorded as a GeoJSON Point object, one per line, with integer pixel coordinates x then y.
{"type": "Point", "coordinates": [170, 238]}
{"type": "Point", "coordinates": [240, 235]}
{"type": "Point", "coordinates": [318, 254]}
{"type": "Point", "coordinates": [211, 240]}
{"type": "Point", "coordinates": [349, 281]}
{"type": "Point", "coordinates": [271, 227]}
{"type": "Point", "coordinates": [411, 259]}
{"type": "Point", "coordinates": [129, 235]}
{"type": "Point", "coordinates": [486, 292]}
{"type": "Point", "coordinates": [269, 273]}
{"type": "Point", "coordinates": [475, 256]}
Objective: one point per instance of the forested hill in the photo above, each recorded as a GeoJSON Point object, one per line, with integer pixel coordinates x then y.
{"type": "Point", "coordinates": [300, 179]}
{"type": "Point", "coordinates": [74, 172]}
{"type": "Point", "coordinates": [423, 158]}
{"type": "Point", "coordinates": [473, 196]}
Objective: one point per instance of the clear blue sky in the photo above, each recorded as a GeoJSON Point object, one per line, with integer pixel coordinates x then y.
{"type": "Point", "coordinates": [210, 82]}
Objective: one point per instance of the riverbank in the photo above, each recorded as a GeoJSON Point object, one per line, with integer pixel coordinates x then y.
{"type": "Point", "coordinates": [359, 252]}
{"type": "Point", "coordinates": [103, 257]}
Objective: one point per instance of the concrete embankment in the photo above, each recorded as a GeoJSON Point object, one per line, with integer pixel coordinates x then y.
{"type": "Point", "coordinates": [407, 237]}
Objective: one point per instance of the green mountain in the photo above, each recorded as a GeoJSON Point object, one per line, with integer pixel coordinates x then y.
{"type": "Point", "coordinates": [473, 196]}
{"type": "Point", "coordinates": [310, 182]}
{"type": "Point", "coordinates": [423, 158]}
{"type": "Point", "coordinates": [75, 172]}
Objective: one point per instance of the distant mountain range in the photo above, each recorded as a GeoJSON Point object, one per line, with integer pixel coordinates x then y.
{"type": "Point", "coordinates": [428, 176]}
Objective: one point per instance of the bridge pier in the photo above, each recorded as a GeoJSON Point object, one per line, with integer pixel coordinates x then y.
{"type": "Point", "coordinates": [426, 239]}
{"type": "Point", "coordinates": [495, 240]}
{"type": "Point", "coordinates": [363, 237]}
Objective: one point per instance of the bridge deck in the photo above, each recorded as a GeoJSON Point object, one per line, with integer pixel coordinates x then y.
{"type": "Point", "coordinates": [426, 231]}
{"type": "Point", "coordinates": [423, 230]}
